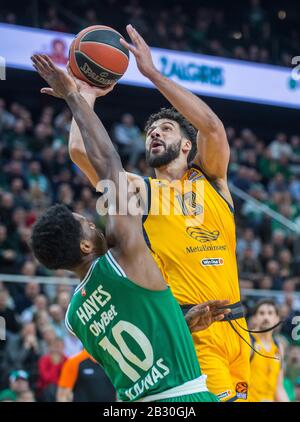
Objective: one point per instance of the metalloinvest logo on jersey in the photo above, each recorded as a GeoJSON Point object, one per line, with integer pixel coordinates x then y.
{"type": "Point", "coordinates": [204, 236]}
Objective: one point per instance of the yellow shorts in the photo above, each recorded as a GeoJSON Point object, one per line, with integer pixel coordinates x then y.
{"type": "Point", "coordinates": [225, 358]}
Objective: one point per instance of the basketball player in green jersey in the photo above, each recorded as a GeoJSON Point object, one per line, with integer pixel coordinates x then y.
{"type": "Point", "coordinates": [122, 311]}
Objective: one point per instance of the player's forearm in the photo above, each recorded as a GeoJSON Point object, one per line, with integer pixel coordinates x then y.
{"type": "Point", "coordinates": [189, 105]}
{"type": "Point", "coordinates": [75, 138]}
{"type": "Point", "coordinates": [99, 148]}
{"type": "Point", "coordinates": [77, 149]}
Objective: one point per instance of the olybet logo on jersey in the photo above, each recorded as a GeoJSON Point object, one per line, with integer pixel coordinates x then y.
{"type": "Point", "coordinates": [212, 262]}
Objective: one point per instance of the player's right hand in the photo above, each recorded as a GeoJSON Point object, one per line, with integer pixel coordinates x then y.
{"type": "Point", "coordinates": [61, 83]}
{"type": "Point", "coordinates": [201, 316]}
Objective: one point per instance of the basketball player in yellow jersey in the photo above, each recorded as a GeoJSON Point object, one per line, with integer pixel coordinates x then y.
{"type": "Point", "coordinates": [266, 374]}
{"type": "Point", "coordinates": [198, 261]}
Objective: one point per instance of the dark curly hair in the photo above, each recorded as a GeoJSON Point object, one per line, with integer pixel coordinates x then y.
{"type": "Point", "coordinates": [262, 302]}
{"type": "Point", "coordinates": [55, 239]}
{"type": "Point", "coordinates": [187, 129]}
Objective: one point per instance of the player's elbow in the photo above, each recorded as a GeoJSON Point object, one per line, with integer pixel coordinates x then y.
{"type": "Point", "coordinates": [75, 153]}
{"type": "Point", "coordinates": [215, 126]}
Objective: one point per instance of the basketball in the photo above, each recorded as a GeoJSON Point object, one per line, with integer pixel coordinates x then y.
{"type": "Point", "coordinates": [97, 57]}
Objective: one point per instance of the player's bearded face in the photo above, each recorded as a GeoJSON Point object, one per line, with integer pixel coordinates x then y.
{"type": "Point", "coordinates": [166, 154]}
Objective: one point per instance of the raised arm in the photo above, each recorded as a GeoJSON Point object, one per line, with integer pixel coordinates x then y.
{"type": "Point", "coordinates": [77, 150]}
{"type": "Point", "coordinates": [99, 148]}
{"type": "Point", "coordinates": [76, 145]}
{"type": "Point", "coordinates": [213, 148]}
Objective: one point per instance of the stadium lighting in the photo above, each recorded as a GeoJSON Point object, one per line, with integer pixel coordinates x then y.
{"type": "Point", "coordinates": [237, 35]}
{"type": "Point", "coordinates": [281, 14]}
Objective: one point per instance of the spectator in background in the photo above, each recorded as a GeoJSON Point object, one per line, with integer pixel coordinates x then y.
{"type": "Point", "coordinates": [7, 205]}
{"type": "Point", "coordinates": [23, 351]}
{"type": "Point", "coordinates": [265, 283]}
{"type": "Point", "coordinates": [26, 397]}
{"type": "Point", "coordinates": [249, 266]}
{"type": "Point", "coordinates": [273, 270]}
{"type": "Point", "coordinates": [293, 364]}
{"type": "Point", "coordinates": [53, 22]}
{"type": "Point", "coordinates": [279, 147]}
{"type": "Point", "coordinates": [47, 335]}
{"type": "Point", "coordinates": [295, 188]}
{"type": "Point", "coordinates": [36, 178]}
{"type": "Point", "coordinates": [50, 366]}
{"type": "Point", "coordinates": [10, 316]}
{"type": "Point", "coordinates": [129, 140]}
{"type": "Point", "coordinates": [7, 119]}
{"type": "Point", "coordinates": [31, 291]}
{"type": "Point", "coordinates": [58, 320]}
{"type": "Point", "coordinates": [254, 216]}
{"type": "Point", "coordinates": [278, 184]}
{"type": "Point", "coordinates": [40, 304]}
{"type": "Point", "coordinates": [18, 384]}
{"type": "Point", "coordinates": [249, 241]}
{"type": "Point", "coordinates": [295, 144]}
{"type": "Point", "coordinates": [286, 261]}
{"type": "Point", "coordinates": [278, 240]}
{"type": "Point", "coordinates": [8, 252]}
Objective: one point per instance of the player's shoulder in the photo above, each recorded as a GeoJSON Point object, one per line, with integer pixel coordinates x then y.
{"type": "Point", "coordinates": [133, 177]}
{"type": "Point", "coordinates": [137, 184]}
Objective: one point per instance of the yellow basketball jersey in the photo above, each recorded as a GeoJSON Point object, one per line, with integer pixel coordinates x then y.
{"type": "Point", "coordinates": [264, 372]}
{"type": "Point", "coordinates": [194, 243]}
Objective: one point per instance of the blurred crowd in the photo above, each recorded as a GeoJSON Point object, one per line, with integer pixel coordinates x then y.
{"type": "Point", "coordinates": [36, 172]}
{"type": "Point", "coordinates": [252, 30]}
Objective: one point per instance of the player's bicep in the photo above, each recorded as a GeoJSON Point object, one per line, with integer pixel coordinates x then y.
{"type": "Point", "coordinates": [213, 153]}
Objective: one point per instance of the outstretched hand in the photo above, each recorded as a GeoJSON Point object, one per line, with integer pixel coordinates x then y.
{"type": "Point", "coordinates": [201, 316]}
{"type": "Point", "coordinates": [141, 51]}
{"type": "Point", "coordinates": [83, 87]}
{"type": "Point", "coordinates": [61, 83]}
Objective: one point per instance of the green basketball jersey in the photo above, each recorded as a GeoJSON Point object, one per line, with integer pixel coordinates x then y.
{"type": "Point", "coordinates": [139, 336]}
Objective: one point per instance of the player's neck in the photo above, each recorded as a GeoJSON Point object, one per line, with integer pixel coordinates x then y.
{"type": "Point", "coordinates": [172, 171]}
{"type": "Point", "coordinates": [266, 338]}
{"type": "Point", "coordinates": [82, 269]}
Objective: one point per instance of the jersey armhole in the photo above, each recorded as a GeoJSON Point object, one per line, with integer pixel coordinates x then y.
{"type": "Point", "coordinates": [148, 188]}
{"type": "Point", "coordinates": [67, 323]}
{"type": "Point", "coordinates": [252, 339]}
{"type": "Point", "coordinates": [214, 186]}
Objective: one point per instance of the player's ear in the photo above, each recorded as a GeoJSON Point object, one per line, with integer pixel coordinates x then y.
{"type": "Point", "coordinates": [186, 145]}
{"type": "Point", "coordinates": [86, 246]}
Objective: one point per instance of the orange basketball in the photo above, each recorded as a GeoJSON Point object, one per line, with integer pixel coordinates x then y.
{"type": "Point", "coordinates": [97, 57]}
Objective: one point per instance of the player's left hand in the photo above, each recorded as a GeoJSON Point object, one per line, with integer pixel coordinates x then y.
{"type": "Point", "coordinates": [201, 316]}
{"type": "Point", "coordinates": [141, 52]}
{"type": "Point", "coordinates": [62, 83]}
{"type": "Point", "coordinates": [90, 90]}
